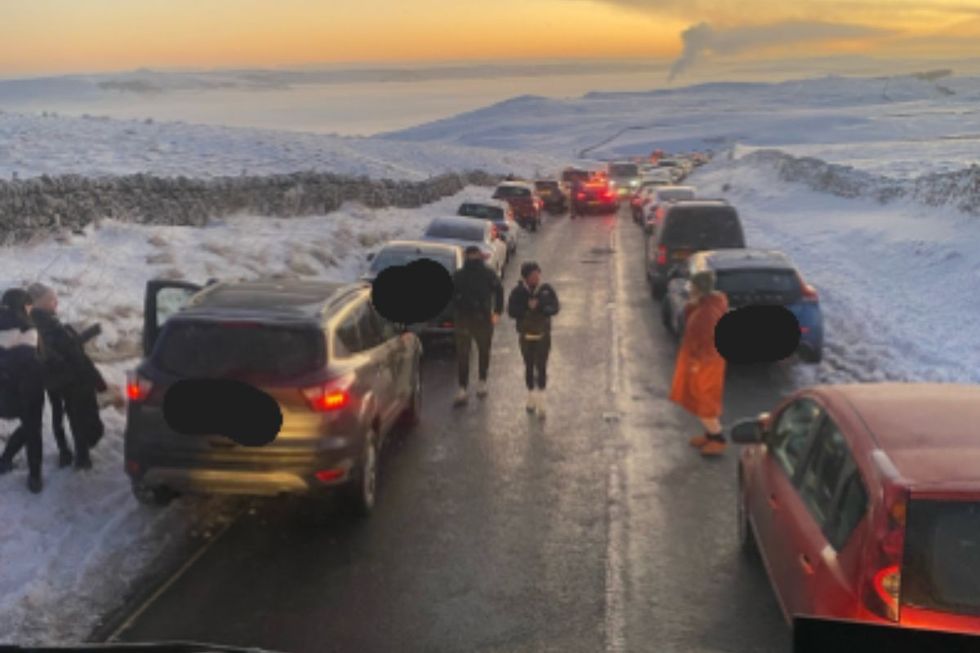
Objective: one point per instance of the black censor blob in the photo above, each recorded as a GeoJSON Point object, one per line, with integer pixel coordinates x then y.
{"type": "Point", "coordinates": [417, 292]}
{"type": "Point", "coordinates": [757, 334]}
{"type": "Point", "coordinates": [226, 407]}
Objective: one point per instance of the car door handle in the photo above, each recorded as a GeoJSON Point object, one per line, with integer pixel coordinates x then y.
{"type": "Point", "coordinates": [773, 502]}
{"type": "Point", "coordinates": [806, 564]}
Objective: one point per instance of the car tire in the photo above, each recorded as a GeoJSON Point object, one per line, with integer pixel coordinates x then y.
{"type": "Point", "coordinates": [361, 492]}
{"type": "Point", "coordinates": [666, 318]}
{"type": "Point", "coordinates": [811, 356]}
{"type": "Point", "coordinates": [152, 496]}
{"type": "Point", "coordinates": [746, 538]}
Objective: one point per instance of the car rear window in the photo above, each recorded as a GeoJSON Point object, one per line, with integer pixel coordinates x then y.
{"type": "Point", "coordinates": [387, 258]}
{"type": "Point", "coordinates": [624, 170]}
{"type": "Point", "coordinates": [675, 195]}
{"type": "Point", "coordinates": [512, 191]}
{"type": "Point", "coordinates": [455, 231]}
{"type": "Point", "coordinates": [781, 285]}
{"type": "Point", "coordinates": [546, 185]}
{"type": "Point", "coordinates": [941, 565]}
{"type": "Point", "coordinates": [569, 176]}
{"type": "Point", "coordinates": [484, 211]}
{"type": "Point", "coordinates": [232, 349]}
{"type": "Point", "coordinates": [700, 228]}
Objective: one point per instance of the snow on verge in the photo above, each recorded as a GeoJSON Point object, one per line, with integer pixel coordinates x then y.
{"type": "Point", "coordinates": [896, 281]}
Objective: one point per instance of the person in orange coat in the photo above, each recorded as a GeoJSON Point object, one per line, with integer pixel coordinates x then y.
{"type": "Point", "coordinates": [699, 377]}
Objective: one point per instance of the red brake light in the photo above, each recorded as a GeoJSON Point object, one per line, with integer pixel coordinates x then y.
{"type": "Point", "coordinates": [327, 475]}
{"type": "Point", "coordinates": [137, 388]}
{"type": "Point", "coordinates": [662, 255]}
{"type": "Point", "coordinates": [330, 396]}
{"type": "Point", "coordinates": [885, 582]}
{"type": "Point", "coordinates": [581, 196]}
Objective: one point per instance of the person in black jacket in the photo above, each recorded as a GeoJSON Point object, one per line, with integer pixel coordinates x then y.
{"type": "Point", "coordinates": [21, 384]}
{"type": "Point", "coordinates": [478, 301]}
{"type": "Point", "coordinates": [69, 375]}
{"type": "Point", "coordinates": [533, 304]}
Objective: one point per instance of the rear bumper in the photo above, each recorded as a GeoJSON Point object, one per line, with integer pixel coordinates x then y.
{"type": "Point", "coordinates": [256, 473]}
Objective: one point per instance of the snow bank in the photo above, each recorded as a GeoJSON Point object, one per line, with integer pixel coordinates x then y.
{"type": "Point", "coordinates": [29, 208]}
{"type": "Point", "coordinates": [73, 552]}
{"type": "Point", "coordinates": [958, 189]}
{"type": "Point", "coordinates": [897, 281]}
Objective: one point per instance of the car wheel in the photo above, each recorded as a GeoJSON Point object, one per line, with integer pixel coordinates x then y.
{"type": "Point", "coordinates": [666, 317]}
{"type": "Point", "coordinates": [746, 538]}
{"type": "Point", "coordinates": [152, 496]}
{"type": "Point", "coordinates": [362, 491]}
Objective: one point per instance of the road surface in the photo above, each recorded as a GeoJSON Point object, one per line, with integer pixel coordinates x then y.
{"type": "Point", "coordinates": [597, 530]}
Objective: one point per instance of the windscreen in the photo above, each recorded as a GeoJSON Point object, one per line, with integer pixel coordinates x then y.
{"type": "Point", "coordinates": [208, 349]}
{"type": "Point", "coordinates": [761, 285]}
{"type": "Point", "coordinates": [624, 170]}
{"type": "Point", "coordinates": [387, 258]}
{"type": "Point", "coordinates": [703, 229]}
{"type": "Point", "coordinates": [482, 211]}
{"type": "Point", "coordinates": [512, 191]}
{"type": "Point", "coordinates": [546, 185]}
{"type": "Point", "coordinates": [455, 231]}
{"type": "Point", "coordinates": [941, 564]}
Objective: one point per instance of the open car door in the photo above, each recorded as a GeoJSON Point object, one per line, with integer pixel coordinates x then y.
{"type": "Point", "coordinates": [162, 299]}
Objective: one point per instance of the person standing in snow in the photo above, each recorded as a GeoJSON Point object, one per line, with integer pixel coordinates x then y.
{"type": "Point", "coordinates": [69, 375]}
{"type": "Point", "coordinates": [699, 376]}
{"type": "Point", "coordinates": [478, 301]}
{"type": "Point", "coordinates": [21, 384]}
{"type": "Point", "coordinates": [532, 304]}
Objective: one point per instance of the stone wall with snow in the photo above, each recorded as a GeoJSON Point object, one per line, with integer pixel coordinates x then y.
{"type": "Point", "coordinates": [41, 206]}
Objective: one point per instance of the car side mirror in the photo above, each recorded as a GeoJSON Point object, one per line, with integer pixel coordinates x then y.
{"type": "Point", "coordinates": [751, 430]}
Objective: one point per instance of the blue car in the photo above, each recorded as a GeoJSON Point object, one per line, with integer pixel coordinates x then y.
{"type": "Point", "coordinates": [747, 277]}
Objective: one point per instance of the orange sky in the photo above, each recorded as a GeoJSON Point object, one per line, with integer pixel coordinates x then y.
{"type": "Point", "coordinates": [50, 36]}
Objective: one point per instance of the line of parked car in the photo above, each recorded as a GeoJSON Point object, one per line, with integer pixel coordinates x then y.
{"type": "Point", "coordinates": [342, 375]}
{"type": "Point", "coordinates": [861, 501]}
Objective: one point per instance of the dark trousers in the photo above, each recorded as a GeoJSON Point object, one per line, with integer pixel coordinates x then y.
{"type": "Point", "coordinates": [535, 354]}
{"type": "Point", "coordinates": [82, 409]}
{"type": "Point", "coordinates": [469, 329]}
{"type": "Point", "coordinates": [57, 402]}
{"type": "Point", "coordinates": [28, 400]}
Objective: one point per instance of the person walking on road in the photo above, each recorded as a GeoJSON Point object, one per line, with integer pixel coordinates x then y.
{"type": "Point", "coordinates": [478, 301]}
{"type": "Point", "coordinates": [70, 376]}
{"type": "Point", "coordinates": [699, 376]}
{"type": "Point", "coordinates": [21, 384]}
{"type": "Point", "coordinates": [533, 303]}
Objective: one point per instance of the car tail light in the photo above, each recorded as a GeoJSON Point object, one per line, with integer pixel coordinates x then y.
{"type": "Point", "coordinates": [328, 475]}
{"type": "Point", "coordinates": [809, 292]}
{"type": "Point", "coordinates": [132, 468]}
{"type": "Point", "coordinates": [884, 582]}
{"type": "Point", "coordinates": [609, 195]}
{"type": "Point", "coordinates": [446, 325]}
{"type": "Point", "coordinates": [137, 387]}
{"type": "Point", "coordinates": [330, 396]}
{"type": "Point", "coordinates": [662, 255]}
{"type": "Point", "coordinates": [580, 196]}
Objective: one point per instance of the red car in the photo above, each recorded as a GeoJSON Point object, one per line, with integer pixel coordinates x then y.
{"type": "Point", "coordinates": [864, 503]}
{"type": "Point", "coordinates": [523, 200]}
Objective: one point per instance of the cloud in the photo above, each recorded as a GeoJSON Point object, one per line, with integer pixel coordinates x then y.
{"type": "Point", "coordinates": [702, 39]}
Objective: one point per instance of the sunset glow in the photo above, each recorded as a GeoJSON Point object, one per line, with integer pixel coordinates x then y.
{"type": "Point", "coordinates": [52, 36]}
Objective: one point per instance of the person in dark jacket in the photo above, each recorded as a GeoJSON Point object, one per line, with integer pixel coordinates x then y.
{"type": "Point", "coordinates": [69, 375]}
{"type": "Point", "coordinates": [21, 384]}
{"type": "Point", "coordinates": [533, 303]}
{"type": "Point", "coordinates": [478, 301]}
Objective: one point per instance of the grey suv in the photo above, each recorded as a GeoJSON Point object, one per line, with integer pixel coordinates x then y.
{"type": "Point", "coordinates": [340, 373]}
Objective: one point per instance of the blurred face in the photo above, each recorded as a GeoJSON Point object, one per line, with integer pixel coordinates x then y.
{"type": "Point", "coordinates": [47, 303]}
{"type": "Point", "coordinates": [474, 258]}
{"type": "Point", "coordinates": [534, 278]}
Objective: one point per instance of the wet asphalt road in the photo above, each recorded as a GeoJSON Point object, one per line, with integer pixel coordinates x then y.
{"type": "Point", "coordinates": [596, 530]}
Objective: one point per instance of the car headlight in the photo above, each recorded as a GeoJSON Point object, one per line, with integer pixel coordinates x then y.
{"type": "Point", "coordinates": [635, 183]}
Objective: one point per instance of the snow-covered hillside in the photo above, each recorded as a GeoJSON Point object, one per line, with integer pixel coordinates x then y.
{"type": "Point", "coordinates": [890, 125]}
{"type": "Point", "coordinates": [39, 144]}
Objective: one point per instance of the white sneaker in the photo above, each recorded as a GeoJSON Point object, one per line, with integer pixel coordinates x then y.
{"type": "Point", "coordinates": [531, 405]}
{"type": "Point", "coordinates": [539, 403]}
{"type": "Point", "coordinates": [481, 389]}
{"type": "Point", "coordinates": [461, 397]}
